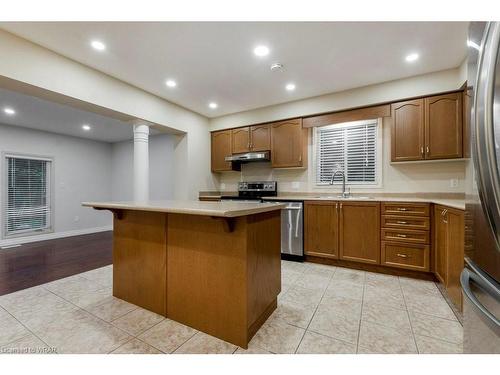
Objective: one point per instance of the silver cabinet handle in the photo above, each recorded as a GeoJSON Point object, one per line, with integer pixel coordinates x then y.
{"type": "Point", "coordinates": [427, 150]}
{"type": "Point", "coordinates": [401, 222]}
{"type": "Point", "coordinates": [401, 235]}
{"type": "Point", "coordinates": [402, 255]}
{"type": "Point", "coordinates": [465, 279]}
{"type": "Point", "coordinates": [422, 150]}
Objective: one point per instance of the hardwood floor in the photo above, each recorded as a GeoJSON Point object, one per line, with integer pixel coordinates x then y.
{"type": "Point", "coordinates": [40, 262]}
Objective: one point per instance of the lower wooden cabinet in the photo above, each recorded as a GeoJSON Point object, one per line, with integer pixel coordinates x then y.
{"type": "Point", "coordinates": [345, 230]}
{"type": "Point", "coordinates": [321, 231]}
{"type": "Point", "coordinates": [449, 250]}
{"type": "Point", "coordinates": [359, 226]}
{"type": "Point", "coordinates": [405, 255]}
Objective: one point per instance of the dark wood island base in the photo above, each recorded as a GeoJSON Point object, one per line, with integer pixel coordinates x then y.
{"type": "Point", "coordinates": [218, 275]}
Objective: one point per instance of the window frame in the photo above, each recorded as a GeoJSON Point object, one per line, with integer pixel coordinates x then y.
{"type": "Point", "coordinates": [378, 155]}
{"type": "Point", "coordinates": [4, 196]}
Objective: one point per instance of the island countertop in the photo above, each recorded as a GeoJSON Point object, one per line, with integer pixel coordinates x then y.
{"type": "Point", "coordinates": [218, 209]}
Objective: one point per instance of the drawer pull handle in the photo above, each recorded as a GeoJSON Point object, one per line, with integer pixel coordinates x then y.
{"type": "Point", "coordinates": [401, 222]}
{"type": "Point", "coordinates": [401, 235]}
{"type": "Point", "coordinates": [402, 209]}
{"type": "Point", "coordinates": [402, 255]}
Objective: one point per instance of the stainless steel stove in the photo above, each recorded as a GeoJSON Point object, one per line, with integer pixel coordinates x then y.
{"type": "Point", "coordinates": [253, 191]}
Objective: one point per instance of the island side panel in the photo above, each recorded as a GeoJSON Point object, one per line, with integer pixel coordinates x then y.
{"type": "Point", "coordinates": [140, 259]}
{"type": "Point", "coordinates": [264, 267]}
{"type": "Point", "coordinates": [206, 275]}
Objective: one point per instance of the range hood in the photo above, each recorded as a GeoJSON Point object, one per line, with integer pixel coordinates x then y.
{"type": "Point", "coordinates": [249, 157]}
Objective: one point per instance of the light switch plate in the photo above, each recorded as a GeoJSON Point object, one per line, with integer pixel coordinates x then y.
{"type": "Point", "coordinates": [454, 182]}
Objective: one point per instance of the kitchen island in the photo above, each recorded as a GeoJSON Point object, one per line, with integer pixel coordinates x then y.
{"type": "Point", "coordinates": [214, 266]}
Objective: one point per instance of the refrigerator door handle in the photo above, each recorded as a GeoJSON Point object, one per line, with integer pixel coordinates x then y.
{"type": "Point", "coordinates": [465, 279]}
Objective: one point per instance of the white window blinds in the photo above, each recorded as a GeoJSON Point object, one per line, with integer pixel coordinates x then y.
{"type": "Point", "coordinates": [351, 148]}
{"type": "Point", "coordinates": [27, 201]}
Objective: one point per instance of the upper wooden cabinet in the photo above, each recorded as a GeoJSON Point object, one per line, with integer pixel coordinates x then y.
{"type": "Point", "coordinates": [240, 140]}
{"type": "Point", "coordinates": [449, 250]}
{"type": "Point", "coordinates": [251, 138]}
{"type": "Point", "coordinates": [428, 128]}
{"type": "Point", "coordinates": [321, 231]}
{"type": "Point", "coordinates": [288, 144]}
{"type": "Point", "coordinates": [260, 137]}
{"type": "Point", "coordinates": [221, 147]}
{"type": "Point", "coordinates": [407, 138]}
{"type": "Point", "coordinates": [360, 231]}
{"type": "Point", "coordinates": [443, 126]}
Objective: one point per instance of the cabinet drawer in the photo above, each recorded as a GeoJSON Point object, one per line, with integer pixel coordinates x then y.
{"type": "Point", "coordinates": [403, 208]}
{"type": "Point", "coordinates": [406, 235]}
{"type": "Point", "coordinates": [405, 222]}
{"type": "Point", "coordinates": [410, 256]}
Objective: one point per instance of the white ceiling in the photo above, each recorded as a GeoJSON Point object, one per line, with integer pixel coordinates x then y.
{"type": "Point", "coordinates": [40, 114]}
{"type": "Point", "coordinates": [213, 61]}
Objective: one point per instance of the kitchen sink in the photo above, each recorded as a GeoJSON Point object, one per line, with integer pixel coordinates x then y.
{"type": "Point", "coordinates": [336, 197]}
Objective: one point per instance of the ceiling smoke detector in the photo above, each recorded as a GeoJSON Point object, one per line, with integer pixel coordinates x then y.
{"type": "Point", "coordinates": [277, 67]}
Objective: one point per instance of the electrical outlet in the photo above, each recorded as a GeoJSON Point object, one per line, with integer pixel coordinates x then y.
{"type": "Point", "coordinates": [295, 185]}
{"type": "Point", "coordinates": [223, 186]}
{"type": "Point", "coordinates": [454, 182]}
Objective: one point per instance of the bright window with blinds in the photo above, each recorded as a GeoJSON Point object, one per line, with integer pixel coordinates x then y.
{"type": "Point", "coordinates": [351, 147]}
{"type": "Point", "coordinates": [27, 198]}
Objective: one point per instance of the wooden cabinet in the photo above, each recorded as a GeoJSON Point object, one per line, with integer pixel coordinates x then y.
{"type": "Point", "coordinates": [321, 231]}
{"type": "Point", "coordinates": [407, 136]}
{"type": "Point", "coordinates": [428, 128]}
{"type": "Point", "coordinates": [466, 110]}
{"type": "Point", "coordinates": [406, 235]}
{"type": "Point", "coordinates": [449, 250]}
{"type": "Point", "coordinates": [443, 126]}
{"type": "Point", "coordinates": [288, 144]}
{"type": "Point", "coordinates": [260, 137]}
{"type": "Point", "coordinates": [360, 231]}
{"type": "Point", "coordinates": [240, 140]}
{"type": "Point", "coordinates": [221, 147]}
{"type": "Point", "coordinates": [251, 138]}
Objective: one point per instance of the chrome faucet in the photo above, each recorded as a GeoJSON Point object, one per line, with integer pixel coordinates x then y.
{"type": "Point", "coordinates": [345, 194]}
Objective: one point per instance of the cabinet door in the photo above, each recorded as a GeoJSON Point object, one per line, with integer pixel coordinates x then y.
{"type": "Point", "coordinates": [288, 144]}
{"type": "Point", "coordinates": [360, 231]}
{"type": "Point", "coordinates": [221, 147]}
{"type": "Point", "coordinates": [455, 254]}
{"type": "Point", "coordinates": [443, 126]}
{"type": "Point", "coordinates": [260, 137]}
{"type": "Point", "coordinates": [466, 110]}
{"type": "Point", "coordinates": [407, 138]}
{"type": "Point", "coordinates": [440, 244]}
{"type": "Point", "coordinates": [321, 237]}
{"type": "Point", "coordinates": [241, 140]}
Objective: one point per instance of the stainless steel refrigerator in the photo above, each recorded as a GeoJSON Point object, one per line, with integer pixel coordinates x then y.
{"type": "Point", "coordinates": [480, 278]}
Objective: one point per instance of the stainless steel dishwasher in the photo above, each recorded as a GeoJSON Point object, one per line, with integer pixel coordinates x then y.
{"type": "Point", "coordinates": [292, 230]}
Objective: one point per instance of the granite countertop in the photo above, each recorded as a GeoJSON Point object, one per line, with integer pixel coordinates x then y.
{"type": "Point", "coordinates": [219, 209]}
{"type": "Point", "coordinates": [445, 199]}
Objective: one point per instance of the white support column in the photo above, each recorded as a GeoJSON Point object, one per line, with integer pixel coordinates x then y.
{"type": "Point", "coordinates": [141, 162]}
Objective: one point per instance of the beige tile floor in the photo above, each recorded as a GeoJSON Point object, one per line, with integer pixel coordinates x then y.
{"type": "Point", "coordinates": [321, 309]}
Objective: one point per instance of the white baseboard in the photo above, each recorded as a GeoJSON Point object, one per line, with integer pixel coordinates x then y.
{"type": "Point", "coordinates": [52, 236]}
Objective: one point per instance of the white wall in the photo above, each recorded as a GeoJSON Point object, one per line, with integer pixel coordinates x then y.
{"type": "Point", "coordinates": [81, 172]}
{"type": "Point", "coordinates": [29, 63]}
{"type": "Point", "coordinates": [161, 168]}
{"type": "Point", "coordinates": [446, 80]}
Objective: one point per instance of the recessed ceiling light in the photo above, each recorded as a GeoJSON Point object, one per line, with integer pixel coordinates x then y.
{"type": "Point", "coordinates": [98, 45]}
{"type": "Point", "coordinates": [171, 83]}
{"type": "Point", "coordinates": [9, 111]}
{"type": "Point", "coordinates": [290, 86]}
{"type": "Point", "coordinates": [412, 57]}
{"type": "Point", "coordinates": [86, 127]}
{"type": "Point", "coordinates": [261, 51]}
{"type": "Point", "coordinates": [212, 105]}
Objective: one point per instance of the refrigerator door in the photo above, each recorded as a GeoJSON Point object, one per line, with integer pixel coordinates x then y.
{"type": "Point", "coordinates": [483, 200]}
